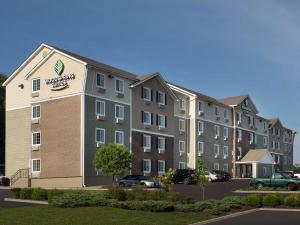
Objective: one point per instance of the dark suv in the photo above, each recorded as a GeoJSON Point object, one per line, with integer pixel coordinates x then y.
{"type": "Point", "coordinates": [185, 176]}
{"type": "Point", "coordinates": [224, 176]}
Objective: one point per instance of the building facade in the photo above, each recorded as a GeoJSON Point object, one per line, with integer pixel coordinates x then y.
{"type": "Point", "coordinates": [61, 106]}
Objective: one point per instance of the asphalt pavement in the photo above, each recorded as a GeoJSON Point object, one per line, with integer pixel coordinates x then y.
{"type": "Point", "coordinates": [6, 193]}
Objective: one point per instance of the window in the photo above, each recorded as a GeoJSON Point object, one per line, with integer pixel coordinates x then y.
{"type": "Point", "coordinates": [200, 106]}
{"type": "Point", "coordinates": [273, 144]}
{"type": "Point", "coordinates": [182, 125]}
{"type": "Point", "coordinates": [36, 111]}
{"type": "Point", "coordinates": [100, 81]}
{"type": "Point", "coordinates": [225, 113]}
{"type": "Point", "coordinates": [216, 110]}
{"type": "Point", "coordinates": [181, 165]}
{"type": "Point", "coordinates": [147, 141]}
{"type": "Point", "coordinates": [161, 143]}
{"type": "Point", "coordinates": [217, 131]}
{"type": "Point", "coordinates": [250, 121]}
{"type": "Point", "coordinates": [161, 98]}
{"type": "Point", "coordinates": [273, 131]}
{"type": "Point", "coordinates": [119, 86]}
{"type": "Point", "coordinates": [251, 138]}
{"type": "Point", "coordinates": [278, 132]}
{"type": "Point", "coordinates": [146, 93]}
{"type": "Point", "coordinates": [225, 167]}
{"type": "Point", "coordinates": [36, 138]}
{"type": "Point", "coordinates": [147, 118]}
{"type": "Point", "coordinates": [239, 134]}
{"type": "Point", "coordinates": [216, 150]}
{"type": "Point", "coordinates": [216, 166]}
{"type": "Point", "coordinates": [36, 85]}
{"type": "Point", "coordinates": [100, 108]}
{"type": "Point", "coordinates": [119, 112]}
{"type": "Point", "coordinates": [182, 104]}
{"type": "Point", "coordinates": [200, 127]}
{"type": "Point", "coordinates": [200, 148]}
{"type": "Point", "coordinates": [278, 145]}
{"type": "Point", "coordinates": [36, 165]}
{"type": "Point", "coordinates": [147, 166]}
{"type": "Point", "coordinates": [100, 135]}
{"type": "Point", "coordinates": [226, 132]}
{"type": "Point", "coordinates": [161, 120]}
{"type": "Point", "coordinates": [239, 117]}
{"type": "Point", "coordinates": [265, 126]}
{"type": "Point", "coordinates": [265, 171]}
{"type": "Point", "coordinates": [239, 153]}
{"type": "Point", "coordinates": [161, 166]}
{"type": "Point", "coordinates": [119, 137]}
{"type": "Point", "coordinates": [225, 151]}
{"type": "Point", "coordinates": [181, 146]}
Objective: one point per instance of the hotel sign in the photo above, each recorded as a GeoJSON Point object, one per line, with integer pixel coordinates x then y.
{"type": "Point", "coordinates": [59, 82]}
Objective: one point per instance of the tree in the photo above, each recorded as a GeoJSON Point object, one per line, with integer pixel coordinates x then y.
{"type": "Point", "coordinates": [166, 179]}
{"type": "Point", "coordinates": [201, 176]}
{"type": "Point", "coordinates": [2, 121]}
{"type": "Point", "coordinates": [113, 160]}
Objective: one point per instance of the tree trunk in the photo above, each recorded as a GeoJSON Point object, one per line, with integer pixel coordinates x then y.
{"type": "Point", "coordinates": [113, 177]}
{"type": "Point", "coordinates": [203, 193]}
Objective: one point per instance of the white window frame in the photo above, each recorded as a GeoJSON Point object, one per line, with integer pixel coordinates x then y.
{"type": "Point", "coordinates": [200, 148]}
{"type": "Point", "coordinates": [149, 91]}
{"type": "Point", "coordinates": [239, 153]}
{"type": "Point", "coordinates": [104, 80]}
{"type": "Point", "coordinates": [200, 109]}
{"type": "Point", "coordinates": [120, 132]}
{"type": "Point", "coordinates": [161, 93]}
{"type": "Point", "coordinates": [200, 125]}
{"type": "Point", "coordinates": [216, 166]}
{"type": "Point", "coordinates": [161, 118]}
{"type": "Point", "coordinates": [273, 144]}
{"type": "Point", "coordinates": [181, 143]}
{"type": "Point", "coordinates": [100, 129]}
{"type": "Point", "coordinates": [32, 134]}
{"type": "Point", "coordinates": [164, 167]}
{"type": "Point", "coordinates": [147, 138]}
{"type": "Point", "coordinates": [32, 109]}
{"type": "Point", "coordinates": [251, 135]}
{"type": "Point", "coordinates": [226, 132]}
{"type": "Point", "coordinates": [216, 147]}
{"type": "Point", "coordinates": [32, 167]}
{"type": "Point", "coordinates": [150, 119]}
{"type": "Point", "coordinates": [225, 114]}
{"type": "Point", "coordinates": [217, 131]}
{"type": "Point", "coordinates": [104, 107]}
{"type": "Point", "coordinates": [123, 111]}
{"type": "Point", "coordinates": [183, 121]}
{"type": "Point", "coordinates": [239, 117]}
{"type": "Point", "coordinates": [225, 151]}
{"type": "Point", "coordinates": [226, 167]}
{"type": "Point", "coordinates": [122, 81]}
{"type": "Point", "coordinates": [240, 134]}
{"type": "Point", "coordinates": [148, 161]}
{"type": "Point", "coordinates": [181, 165]}
{"type": "Point", "coordinates": [182, 104]}
{"type": "Point", "coordinates": [32, 81]}
{"type": "Point", "coordinates": [161, 140]}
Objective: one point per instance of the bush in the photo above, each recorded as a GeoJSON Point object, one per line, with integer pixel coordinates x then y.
{"type": "Point", "coordinates": [16, 191]}
{"type": "Point", "coordinates": [253, 200]}
{"type": "Point", "coordinates": [116, 193]}
{"type": "Point", "coordinates": [271, 200]}
{"type": "Point", "coordinates": [139, 194]}
{"type": "Point", "coordinates": [26, 193]}
{"type": "Point", "coordinates": [54, 193]}
{"type": "Point", "coordinates": [292, 201]}
{"type": "Point", "coordinates": [150, 205]}
{"type": "Point", "coordinates": [234, 202]}
{"type": "Point", "coordinates": [39, 194]}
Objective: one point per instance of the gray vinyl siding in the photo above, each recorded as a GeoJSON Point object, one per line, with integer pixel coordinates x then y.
{"type": "Point", "coordinates": [110, 126]}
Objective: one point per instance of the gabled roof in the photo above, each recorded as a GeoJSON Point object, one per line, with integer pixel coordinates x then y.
{"type": "Point", "coordinates": [259, 156]}
{"type": "Point", "coordinates": [146, 77]}
{"type": "Point", "coordinates": [200, 95]}
{"type": "Point", "coordinates": [274, 121]}
{"type": "Point", "coordinates": [236, 100]}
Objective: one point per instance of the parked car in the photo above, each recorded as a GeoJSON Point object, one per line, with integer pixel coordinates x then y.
{"type": "Point", "coordinates": [211, 176]}
{"type": "Point", "coordinates": [277, 180]}
{"type": "Point", "coordinates": [289, 174]}
{"type": "Point", "coordinates": [225, 176]}
{"type": "Point", "coordinates": [185, 176]}
{"type": "Point", "coordinates": [4, 181]}
{"type": "Point", "coordinates": [132, 180]}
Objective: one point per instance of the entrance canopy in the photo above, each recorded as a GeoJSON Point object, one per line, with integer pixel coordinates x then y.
{"type": "Point", "coordinates": [260, 156]}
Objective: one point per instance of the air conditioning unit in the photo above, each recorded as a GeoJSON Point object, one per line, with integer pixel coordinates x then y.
{"type": "Point", "coordinates": [161, 105]}
{"type": "Point", "coordinates": [181, 131]}
{"type": "Point", "coordinates": [200, 133]}
{"type": "Point", "coordinates": [239, 140]}
{"type": "Point", "coordinates": [251, 142]}
{"type": "Point", "coordinates": [216, 155]}
{"type": "Point", "coordinates": [35, 121]}
{"type": "Point", "coordinates": [200, 153]}
{"type": "Point", "coordinates": [146, 149]}
{"type": "Point", "coordinates": [218, 117]}
{"type": "Point", "coordinates": [225, 138]}
{"type": "Point", "coordinates": [146, 102]}
{"type": "Point", "coordinates": [147, 125]}
{"type": "Point", "coordinates": [239, 122]}
{"type": "Point", "coordinates": [200, 113]}
{"type": "Point", "coordinates": [182, 111]}
{"type": "Point", "coordinates": [239, 157]}
{"type": "Point", "coordinates": [161, 151]}
{"type": "Point", "coordinates": [217, 136]}
{"type": "Point", "coordinates": [118, 120]}
{"type": "Point", "coordinates": [99, 117]}
{"type": "Point", "coordinates": [98, 144]}
{"type": "Point", "coordinates": [161, 127]}
{"type": "Point", "coordinates": [35, 147]}
{"type": "Point", "coordinates": [225, 156]}
{"type": "Point", "coordinates": [181, 153]}
{"type": "Point", "coordinates": [226, 120]}
{"type": "Point", "coordinates": [120, 95]}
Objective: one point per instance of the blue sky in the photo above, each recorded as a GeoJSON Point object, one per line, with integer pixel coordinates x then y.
{"type": "Point", "coordinates": [218, 47]}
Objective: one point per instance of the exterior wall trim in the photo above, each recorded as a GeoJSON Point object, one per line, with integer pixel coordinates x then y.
{"type": "Point", "coordinates": [107, 99]}
{"type": "Point", "coordinates": [150, 132]}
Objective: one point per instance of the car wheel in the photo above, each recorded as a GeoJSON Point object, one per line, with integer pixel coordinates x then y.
{"type": "Point", "coordinates": [186, 181]}
{"type": "Point", "coordinates": [291, 187]}
{"type": "Point", "coordinates": [259, 186]}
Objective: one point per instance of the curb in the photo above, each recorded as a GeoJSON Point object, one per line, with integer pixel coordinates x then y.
{"type": "Point", "coordinates": [226, 217]}
{"type": "Point", "coordinates": [26, 201]}
{"type": "Point", "coordinates": [266, 192]}
{"type": "Point", "coordinates": [279, 210]}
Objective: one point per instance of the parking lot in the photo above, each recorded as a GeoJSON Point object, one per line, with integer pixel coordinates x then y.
{"type": "Point", "coordinates": [214, 190]}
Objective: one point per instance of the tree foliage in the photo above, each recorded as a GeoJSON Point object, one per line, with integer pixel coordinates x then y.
{"type": "Point", "coordinates": [201, 176]}
{"type": "Point", "coordinates": [166, 179]}
{"type": "Point", "coordinates": [113, 159]}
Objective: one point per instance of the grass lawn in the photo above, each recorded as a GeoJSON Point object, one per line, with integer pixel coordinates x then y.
{"type": "Point", "coordinates": [46, 215]}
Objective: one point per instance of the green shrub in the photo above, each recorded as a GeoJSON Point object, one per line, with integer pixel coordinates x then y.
{"type": "Point", "coordinates": [26, 193]}
{"type": "Point", "coordinates": [150, 205]}
{"type": "Point", "coordinates": [271, 200]}
{"type": "Point", "coordinates": [39, 194]}
{"type": "Point", "coordinates": [54, 193]}
{"type": "Point", "coordinates": [16, 191]}
{"type": "Point", "coordinates": [234, 202]}
{"type": "Point", "coordinates": [116, 193]}
{"type": "Point", "coordinates": [292, 201]}
{"type": "Point", "coordinates": [253, 200]}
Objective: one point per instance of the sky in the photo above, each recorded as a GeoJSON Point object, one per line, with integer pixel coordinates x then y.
{"type": "Point", "coordinates": [220, 48]}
